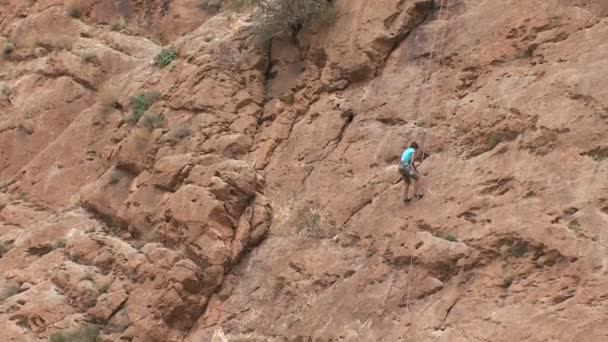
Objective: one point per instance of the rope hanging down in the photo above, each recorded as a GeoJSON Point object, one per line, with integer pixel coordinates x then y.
{"type": "Point", "coordinates": [444, 4]}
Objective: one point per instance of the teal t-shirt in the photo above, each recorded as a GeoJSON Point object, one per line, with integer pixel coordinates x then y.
{"type": "Point", "coordinates": [406, 157]}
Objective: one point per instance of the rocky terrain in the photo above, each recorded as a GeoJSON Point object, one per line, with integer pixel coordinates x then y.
{"type": "Point", "coordinates": [248, 191]}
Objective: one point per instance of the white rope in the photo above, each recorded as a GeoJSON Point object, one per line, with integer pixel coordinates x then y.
{"type": "Point", "coordinates": [424, 81]}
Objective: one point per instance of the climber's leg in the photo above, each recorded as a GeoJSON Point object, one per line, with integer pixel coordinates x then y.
{"type": "Point", "coordinates": [414, 175]}
{"type": "Point", "coordinates": [407, 181]}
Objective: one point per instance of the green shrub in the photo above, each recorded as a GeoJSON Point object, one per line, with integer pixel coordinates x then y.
{"type": "Point", "coordinates": [63, 43]}
{"type": "Point", "coordinates": [180, 133]}
{"type": "Point", "coordinates": [309, 222]}
{"type": "Point", "coordinates": [4, 248]}
{"type": "Point", "coordinates": [278, 286]}
{"type": "Point", "coordinates": [493, 141]}
{"type": "Point", "coordinates": [86, 333]}
{"type": "Point", "coordinates": [114, 178]}
{"type": "Point", "coordinates": [6, 91]}
{"type": "Point", "coordinates": [25, 127]}
{"type": "Point", "coordinates": [140, 104]}
{"type": "Point", "coordinates": [88, 56]}
{"type": "Point", "coordinates": [74, 8]}
{"type": "Point", "coordinates": [275, 18]}
{"type": "Point", "coordinates": [104, 289]}
{"type": "Point", "coordinates": [518, 250]}
{"type": "Point", "coordinates": [570, 211]}
{"type": "Point", "coordinates": [574, 225]}
{"type": "Point", "coordinates": [598, 156]}
{"type": "Point", "coordinates": [451, 238]}
{"type": "Point", "coordinates": [212, 5]}
{"type": "Point", "coordinates": [60, 243]}
{"type": "Point", "coordinates": [8, 48]}
{"type": "Point", "coordinates": [119, 24]}
{"type": "Point", "coordinates": [8, 291]}
{"type": "Point", "coordinates": [164, 58]}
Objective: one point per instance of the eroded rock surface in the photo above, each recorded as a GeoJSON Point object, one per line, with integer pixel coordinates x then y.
{"type": "Point", "coordinates": [258, 198]}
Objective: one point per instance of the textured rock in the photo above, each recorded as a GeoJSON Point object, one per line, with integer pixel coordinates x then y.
{"type": "Point", "coordinates": [265, 203]}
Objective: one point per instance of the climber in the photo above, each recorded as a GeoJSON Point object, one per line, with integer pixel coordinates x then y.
{"type": "Point", "coordinates": [407, 169]}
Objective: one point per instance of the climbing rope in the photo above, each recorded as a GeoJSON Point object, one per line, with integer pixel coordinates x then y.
{"type": "Point", "coordinates": [444, 4]}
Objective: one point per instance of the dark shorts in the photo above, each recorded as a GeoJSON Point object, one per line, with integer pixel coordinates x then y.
{"type": "Point", "coordinates": [408, 173]}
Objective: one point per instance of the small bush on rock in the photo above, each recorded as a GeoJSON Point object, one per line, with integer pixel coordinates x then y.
{"type": "Point", "coordinates": [140, 104]}
{"type": "Point", "coordinates": [451, 238]}
{"type": "Point", "coordinates": [212, 5]}
{"type": "Point", "coordinates": [152, 121]}
{"type": "Point", "coordinates": [309, 223]}
{"type": "Point", "coordinates": [280, 17]}
{"type": "Point", "coordinates": [518, 250]}
{"type": "Point", "coordinates": [63, 43]}
{"type": "Point", "coordinates": [106, 98]}
{"type": "Point", "coordinates": [180, 133]}
{"type": "Point", "coordinates": [6, 91]}
{"type": "Point", "coordinates": [74, 8]}
{"type": "Point", "coordinates": [88, 56]}
{"type": "Point", "coordinates": [8, 291]}
{"type": "Point", "coordinates": [119, 24]}
{"type": "Point", "coordinates": [493, 141]}
{"type": "Point", "coordinates": [60, 243]}
{"type": "Point", "coordinates": [86, 333]}
{"type": "Point", "coordinates": [8, 48]}
{"type": "Point", "coordinates": [164, 58]}
{"type": "Point", "coordinates": [4, 248]}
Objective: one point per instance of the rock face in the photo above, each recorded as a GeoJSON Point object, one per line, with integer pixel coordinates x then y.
{"type": "Point", "coordinates": [258, 197]}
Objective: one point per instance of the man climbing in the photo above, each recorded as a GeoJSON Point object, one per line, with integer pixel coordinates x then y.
{"type": "Point", "coordinates": [407, 169]}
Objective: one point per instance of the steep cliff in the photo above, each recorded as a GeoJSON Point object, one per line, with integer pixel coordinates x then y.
{"type": "Point", "coordinates": [248, 191]}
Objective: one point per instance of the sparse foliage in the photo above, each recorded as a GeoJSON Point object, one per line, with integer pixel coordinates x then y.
{"type": "Point", "coordinates": [8, 48]}
{"type": "Point", "coordinates": [212, 5]}
{"type": "Point", "coordinates": [574, 225]}
{"type": "Point", "coordinates": [119, 24]}
{"type": "Point", "coordinates": [280, 17]}
{"type": "Point", "coordinates": [507, 282]}
{"type": "Point", "coordinates": [145, 238]}
{"type": "Point", "coordinates": [140, 104]}
{"type": "Point", "coordinates": [8, 291]}
{"type": "Point", "coordinates": [451, 238]}
{"type": "Point", "coordinates": [493, 141]}
{"type": "Point", "coordinates": [180, 133]}
{"type": "Point", "coordinates": [152, 121]}
{"type": "Point", "coordinates": [106, 97]}
{"type": "Point", "coordinates": [114, 178]}
{"type": "Point", "coordinates": [25, 127]}
{"type": "Point", "coordinates": [164, 58]}
{"type": "Point", "coordinates": [88, 56]}
{"type": "Point", "coordinates": [63, 43]}
{"type": "Point", "coordinates": [104, 289]}
{"type": "Point", "coordinates": [86, 333]}
{"type": "Point", "coordinates": [598, 156]}
{"type": "Point", "coordinates": [6, 91]}
{"type": "Point", "coordinates": [74, 8]}
{"type": "Point", "coordinates": [570, 211]}
{"type": "Point", "coordinates": [518, 250]}
{"type": "Point", "coordinates": [309, 222]}
{"type": "Point", "coordinates": [278, 286]}
{"type": "Point", "coordinates": [5, 247]}
{"type": "Point", "coordinates": [60, 243]}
